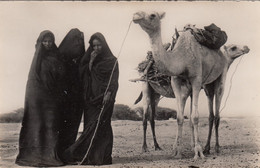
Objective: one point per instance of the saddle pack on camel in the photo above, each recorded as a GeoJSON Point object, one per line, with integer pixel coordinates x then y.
{"type": "Point", "coordinates": [212, 37]}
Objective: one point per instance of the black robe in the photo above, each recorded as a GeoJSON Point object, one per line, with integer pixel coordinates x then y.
{"type": "Point", "coordinates": [72, 49]}
{"type": "Point", "coordinates": [40, 126]}
{"type": "Point", "coordinates": [95, 83]}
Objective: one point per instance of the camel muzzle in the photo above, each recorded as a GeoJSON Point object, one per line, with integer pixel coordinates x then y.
{"type": "Point", "coordinates": [246, 49]}
{"type": "Point", "coordinates": [137, 17]}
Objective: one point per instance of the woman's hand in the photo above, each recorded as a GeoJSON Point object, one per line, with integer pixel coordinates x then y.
{"type": "Point", "coordinates": [93, 55]}
{"type": "Point", "coordinates": [107, 97]}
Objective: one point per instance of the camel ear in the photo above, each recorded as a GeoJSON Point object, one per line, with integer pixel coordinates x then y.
{"type": "Point", "coordinates": [161, 15]}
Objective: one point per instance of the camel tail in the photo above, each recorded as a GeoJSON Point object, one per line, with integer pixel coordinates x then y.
{"type": "Point", "coordinates": [139, 98]}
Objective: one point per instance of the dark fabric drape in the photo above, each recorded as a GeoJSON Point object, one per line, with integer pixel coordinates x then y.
{"type": "Point", "coordinates": [72, 49]}
{"type": "Point", "coordinates": [40, 126]}
{"type": "Point", "coordinates": [95, 83]}
{"type": "Point", "coordinates": [212, 37]}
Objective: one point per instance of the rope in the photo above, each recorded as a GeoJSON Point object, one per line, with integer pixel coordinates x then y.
{"type": "Point", "coordinates": [101, 111]}
{"type": "Point", "coordinates": [231, 84]}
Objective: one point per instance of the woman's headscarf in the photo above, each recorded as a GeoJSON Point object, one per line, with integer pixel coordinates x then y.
{"type": "Point", "coordinates": [39, 53]}
{"type": "Point", "coordinates": [106, 52]}
{"type": "Point", "coordinates": [72, 46]}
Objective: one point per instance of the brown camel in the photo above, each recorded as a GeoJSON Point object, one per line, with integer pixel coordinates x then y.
{"type": "Point", "coordinates": [188, 64]}
{"type": "Point", "coordinates": [151, 92]}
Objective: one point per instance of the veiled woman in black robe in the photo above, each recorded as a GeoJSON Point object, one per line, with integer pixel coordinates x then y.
{"type": "Point", "coordinates": [40, 126]}
{"type": "Point", "coordinates": [72, 49]}
{"type": "Point", "coordinates": [95, 69]}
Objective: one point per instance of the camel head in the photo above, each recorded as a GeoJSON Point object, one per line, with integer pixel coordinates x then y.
{"type": "Point", "coordinates": [149, 22]}
{"type": "Point", "coordinates": [189, 26]}
{"type": "Point", "coordinates": [234, 51]}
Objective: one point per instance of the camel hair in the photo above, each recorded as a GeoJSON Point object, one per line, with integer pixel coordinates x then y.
{"type": "Point", "coordinates": [152, 92]}
{"type": "Point", "coordinates": [191, 67]}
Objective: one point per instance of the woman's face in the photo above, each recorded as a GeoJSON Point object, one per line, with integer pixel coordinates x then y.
{"type": "Point", "coordinates": [47, 42]}
{"type": "Point", "coordinates": [97, 46]}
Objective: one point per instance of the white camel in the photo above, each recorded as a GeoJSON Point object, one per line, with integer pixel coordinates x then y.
{"type": "Point", "coordinates": [152, 92]}
{"type": "Point", "coordinates": [188, 64]}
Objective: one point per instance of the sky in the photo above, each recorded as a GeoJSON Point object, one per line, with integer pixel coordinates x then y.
{"type": "Point", "coordinates": [22, 22]}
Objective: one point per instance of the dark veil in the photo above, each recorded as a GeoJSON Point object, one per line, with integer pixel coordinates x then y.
{"type": "Point", "coordinates": [72, 46]}
{"type": "Point", "coordinates": [39, 53]}
{"type": "Point", "coordinates": [72, 49]}
{"type": "Point", "coordinates": [100, 73]}
{"type": "Point", "coordinates": [38, 139]}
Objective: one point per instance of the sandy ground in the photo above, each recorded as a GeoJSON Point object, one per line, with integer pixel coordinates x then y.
{"type": "Point", "coordinates": [239, 140]}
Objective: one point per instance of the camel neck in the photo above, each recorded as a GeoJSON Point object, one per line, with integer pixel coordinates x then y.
{"type": "Point", "coordinates": [159, 53]}
{"type": "Point", "coordinates": [169, 63]}
{"type": "Point", "coordinates": [228, 60]}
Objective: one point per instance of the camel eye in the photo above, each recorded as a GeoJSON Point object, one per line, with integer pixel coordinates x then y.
{"type": "Point", "coordinates": [152, 16]}
{"type": "Point", "coordinates": [233, 48]}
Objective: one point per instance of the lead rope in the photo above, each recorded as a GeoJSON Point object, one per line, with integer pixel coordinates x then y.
{"type": "Point", "coordinates": [231, 84]}
{"type": "Point", "coordinates": [101, 111]}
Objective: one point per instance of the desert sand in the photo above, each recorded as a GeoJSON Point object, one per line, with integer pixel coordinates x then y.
{"type": "Point", "coordinates": [239, 141]}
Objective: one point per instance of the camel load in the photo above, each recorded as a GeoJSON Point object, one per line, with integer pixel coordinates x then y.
{"type": "Point", "coordinates": [211, 36]}
{"type": "Point", "coordinates": [153, 74]}
{"type": "Point", "coordinates": [160, 82]}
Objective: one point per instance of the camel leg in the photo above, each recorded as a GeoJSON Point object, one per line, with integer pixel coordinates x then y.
{"type": "Point", "coordinates": [146, 102]}
{"type": "Point", "coordinates": [181, 100]}
{"type": "Point", "coordinates": [192, 144]}
{"type": "Point", "coordinates": [196, 86]}
{"type": "Point", "coordinates": [219, 91]}
{"type": "Point", "coordinates": [154, 102]}
{"type": "Point", "coordinates": [209, 90]}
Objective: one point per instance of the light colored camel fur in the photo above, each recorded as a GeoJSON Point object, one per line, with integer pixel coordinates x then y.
{"type": "Point", "coordinates": [191, 67]}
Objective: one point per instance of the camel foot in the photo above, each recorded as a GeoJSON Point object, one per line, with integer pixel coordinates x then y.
{"type": "Point", "coordinates": [176, 153]}
{"type": "Point", "coordinates": [178, 156]}
{"type": "Point", "coordinates": [157, 148]}
{"type": "Point", "coordinates": [198, 152]}
{"type": "Point", "coordinates": [217, 150]}
{"type": "Point", "coordinates": [145, 148]}
{"type": "Point", "coordinates": [197, 156]}
{"type": "Point", "coordinates": [192, 145]}
{"type": "Point", "coordinates": [206, 150]}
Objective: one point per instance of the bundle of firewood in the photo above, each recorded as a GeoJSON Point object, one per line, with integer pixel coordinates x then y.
{"type": "Point", "coordinates": [153, 75]}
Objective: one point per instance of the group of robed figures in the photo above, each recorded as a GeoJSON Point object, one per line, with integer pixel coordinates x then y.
{"type": "Point", "coordinates": [64, 84]}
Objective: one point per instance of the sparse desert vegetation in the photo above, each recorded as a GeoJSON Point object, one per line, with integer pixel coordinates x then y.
{"type": "Point", "coordinates": [121, 112]}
